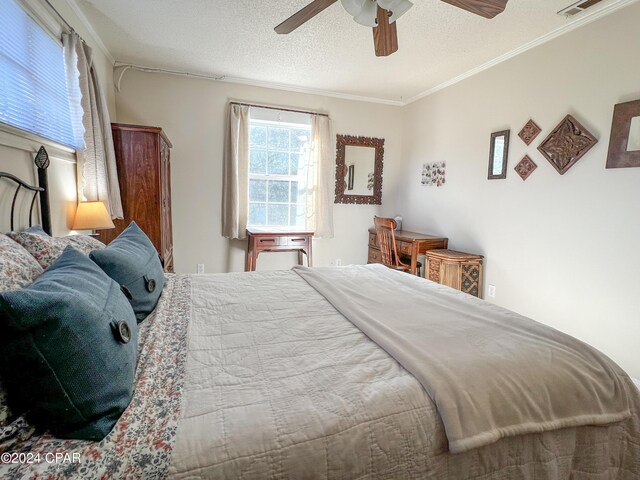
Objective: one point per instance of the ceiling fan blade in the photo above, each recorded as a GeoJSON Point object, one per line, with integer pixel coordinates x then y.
{"type": "Point", "coordinates": [484, 8]}
{"type": "Point", "coordinates": [304, 15]}
{"type": "Point", "coordinates": [385, 35]}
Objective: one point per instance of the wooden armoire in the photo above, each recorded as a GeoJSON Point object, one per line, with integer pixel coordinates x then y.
{"type": "Point", "coordinates": [144, 174]}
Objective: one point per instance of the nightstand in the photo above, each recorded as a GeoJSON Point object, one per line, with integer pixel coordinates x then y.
{"type": "Point", "coordinates": [459, 270]}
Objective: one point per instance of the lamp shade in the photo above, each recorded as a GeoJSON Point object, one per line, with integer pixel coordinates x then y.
{"type": "Point", "coordinates": [92, 216]}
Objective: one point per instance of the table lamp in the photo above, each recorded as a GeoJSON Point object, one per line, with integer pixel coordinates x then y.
{"type": "Point", "coordinates": [92, 216]}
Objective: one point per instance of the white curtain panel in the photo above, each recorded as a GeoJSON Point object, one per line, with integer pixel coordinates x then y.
{"type": "Point", "coordinates": [236, 173]}
{"type": "Point", "coordinates": [73, 87]}
{"type": "Point", "coordinates": [320, 177]}
{"type": "Point", "coordinates": [96, 160]}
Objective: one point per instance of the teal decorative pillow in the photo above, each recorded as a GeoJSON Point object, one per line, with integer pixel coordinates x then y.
{"type": "Point", "coordinates": [37, 229]}
{"type": "Point", "coordinates": [68, 349]}
{"type": "Point", "coordinates": [132, 261]}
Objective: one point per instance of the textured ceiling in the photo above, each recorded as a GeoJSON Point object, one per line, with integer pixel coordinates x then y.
{"type": "Point", "coordinates": [331, 53]}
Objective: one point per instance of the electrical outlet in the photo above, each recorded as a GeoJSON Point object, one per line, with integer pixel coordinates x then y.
{"type": "Point", "coordinates": [338, 262]}
{"type": "Point", "coordinates": [201, 268]}
{"type": "Point", "coordinates": [492, 291]}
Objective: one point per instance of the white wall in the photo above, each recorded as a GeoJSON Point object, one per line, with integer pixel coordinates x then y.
{"type": "Point", "coordinates": [192, 113]}
{"type": "Point", "coordinates": [16, 157]}
{"type": "Point", "coordinates": [560, 249]}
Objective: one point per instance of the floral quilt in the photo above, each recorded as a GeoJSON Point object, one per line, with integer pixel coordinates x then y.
{"type": "Point", "coordinates": [141, 443]}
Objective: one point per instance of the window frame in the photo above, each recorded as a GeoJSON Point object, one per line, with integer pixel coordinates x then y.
{"type": "Point", "coordinates": [14, 134]}
{"type": "Point", "coordinates": [267, 177]}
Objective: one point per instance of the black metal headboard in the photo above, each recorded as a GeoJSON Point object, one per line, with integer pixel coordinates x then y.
{"type": "Point", "coordinates": [42, 162]}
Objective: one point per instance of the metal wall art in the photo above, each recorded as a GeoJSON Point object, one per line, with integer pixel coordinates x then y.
{"type": "Point", "coordinates": [529, 132]}
{"type": "Point", "coordinates": [624, 142]}
{"type": "Point", "coordinates": [525, 167]}
{"type": "Point", "coordinates": [567, 144]}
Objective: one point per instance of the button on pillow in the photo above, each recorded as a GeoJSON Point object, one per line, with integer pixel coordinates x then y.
{"type": "Point", "coordinates": [132, 261]}
{"type": "Point", "coordinates": [61, 354]}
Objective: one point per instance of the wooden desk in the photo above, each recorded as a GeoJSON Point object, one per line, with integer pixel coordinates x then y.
{"type": "Point", "coordinates": [273, 240]}
{"type": "Point", "coordinates": [411, 244]}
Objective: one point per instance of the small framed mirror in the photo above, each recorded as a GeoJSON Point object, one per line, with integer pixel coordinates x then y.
{"type": "Point", "coordinates": [498, 155]}
{"type": "Point", "coordinates": [359, 170]}
{"type": "Point", "coordinates": [624, 142]}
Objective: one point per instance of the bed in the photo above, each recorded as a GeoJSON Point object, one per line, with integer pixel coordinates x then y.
{"type": "Point", "coordinates": [262, 375]}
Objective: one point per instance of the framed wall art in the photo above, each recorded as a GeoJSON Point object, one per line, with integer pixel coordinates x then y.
{"type": "Point", "coordinates": [433, 174]}
{"type": "Point", "coordinates": [567, 144]}
{"type": "Point", "coordinates": [529, 132]}
{"type": "Point", "coordinates": [525, 167]}
{"type": "Point", "coordinates": [624, 142]}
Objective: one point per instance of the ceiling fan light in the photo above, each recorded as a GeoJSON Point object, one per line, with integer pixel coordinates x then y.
{"type": "Point", "coordinates": [401, 7]}
{"type": "Point", "coordinates": [388, 4]}
{"type": "Point", "coordinates": [353, 7]}
{"type": "Point", "coordinates": [368, 15]}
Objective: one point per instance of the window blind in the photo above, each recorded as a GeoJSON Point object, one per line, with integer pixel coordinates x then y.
{"type": "Point", "coordinates": [33, 87]}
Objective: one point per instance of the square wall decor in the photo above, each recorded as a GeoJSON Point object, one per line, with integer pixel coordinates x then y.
{"type": "Point", "coordinates": [529, 132]}
{"type": "Point", "coordinates": [433, 174]}
{"type": "Point", "coordinates": [525, 167]}
{"type": "Point", "coordinates": [567, 144]}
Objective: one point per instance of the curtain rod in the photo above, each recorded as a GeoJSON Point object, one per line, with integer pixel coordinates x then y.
{"type": "Point", "coordinates": [64, 20]}
{"type": "Point", "coordinates": [278, 108]}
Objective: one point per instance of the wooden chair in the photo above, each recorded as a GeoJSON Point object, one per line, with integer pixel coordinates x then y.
{"type": "Point", "coordinates": [385, 232]}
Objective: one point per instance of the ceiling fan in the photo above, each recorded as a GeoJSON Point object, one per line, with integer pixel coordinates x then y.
{"type": "Point", "coordinates": [382, 16]}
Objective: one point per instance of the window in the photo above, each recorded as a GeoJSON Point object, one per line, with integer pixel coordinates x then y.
{"type": "Point", "coordinates": [278, 159]}
{"type": "Point", "coordinates": [278, 171]}
{"type": "Point", "coordinates": [33, 87]}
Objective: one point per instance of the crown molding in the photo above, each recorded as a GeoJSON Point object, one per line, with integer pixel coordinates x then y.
{"type": "Point", "coordinates": [87, 24]}
{"type": "Point", "coordinates": [580, 22]}
{"type": "Point", "coordinates": [311, 91]}
{"type": "Point", "coordinates": [120, 68]}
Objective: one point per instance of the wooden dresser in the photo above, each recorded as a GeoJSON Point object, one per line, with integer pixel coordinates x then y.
{"type": "Point", "coordinates": [459, 270]}
{"type": "Point", "coordinates": [410, 244]}
{"type": "Point", "coordinates": [144, 174]}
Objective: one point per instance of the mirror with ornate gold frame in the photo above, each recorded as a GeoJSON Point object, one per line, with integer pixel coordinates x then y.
{"type": "Point", "coordinates": [359, 170]}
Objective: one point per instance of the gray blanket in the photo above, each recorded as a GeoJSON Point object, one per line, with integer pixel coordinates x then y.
{"type": "Point", "coordinates": [491, 373]}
